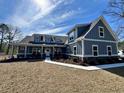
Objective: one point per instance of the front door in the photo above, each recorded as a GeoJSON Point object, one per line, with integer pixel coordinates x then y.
{"type": "Point", "coordinates": [47, 52]}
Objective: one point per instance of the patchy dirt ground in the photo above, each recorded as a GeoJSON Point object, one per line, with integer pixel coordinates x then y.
{"type": "Point", "coordinates": [39, 77]}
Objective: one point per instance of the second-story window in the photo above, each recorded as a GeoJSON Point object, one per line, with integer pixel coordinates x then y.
{"type": "Point", "coordinates": [101, 31]}
{"type": "Point", "coordinates": [37, 39]}
{"type": "Point", "coordinates": [41, 38]}
{"type": "Point", "coordinates": [71, 36]}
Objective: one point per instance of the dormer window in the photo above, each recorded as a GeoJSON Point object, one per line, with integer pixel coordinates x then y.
{"type": "Point", "coordinates": [101, 31]}
{"type": "Point", "coordinates": [37, 39]}
{"type": "Point", "coordinates": [71, 36]}
{"type": "Point", "coordinates": [41, 38]}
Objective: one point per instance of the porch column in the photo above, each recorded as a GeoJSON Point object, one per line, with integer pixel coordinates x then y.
{"type": "Point", "coordinates": [25, 51]}
{"type": "Point", "coordinates": [17, 49]}
{"type": "Point", "coordinates": [41, 51]}
{"type": "Point", "coordinates": [82, 50]}
{"type": "Point", "coordinates": [53, 51]}
{"type": "Point", "coordinates": [12, 51]}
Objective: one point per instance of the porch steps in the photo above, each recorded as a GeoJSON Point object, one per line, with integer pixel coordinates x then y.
{"type": "Point", "coordinates": [47, 59]}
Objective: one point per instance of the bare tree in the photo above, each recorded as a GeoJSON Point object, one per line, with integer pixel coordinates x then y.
{"type": "Point", "coordinates": [13, 35]}
{"type": "Point", "coordinates": [120, 32]}
{"type": "Point", "coordinates": [115, 10]}
{"type": "Point", "coordinates": [3, 31]}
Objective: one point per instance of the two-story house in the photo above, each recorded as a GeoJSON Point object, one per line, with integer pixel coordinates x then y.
{"type": "Point", "coordinates": [95, 39]}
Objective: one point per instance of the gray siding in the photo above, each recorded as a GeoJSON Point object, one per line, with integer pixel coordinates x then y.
{"type": "Point", "coordinates": [79, 48]}
{"type": "Point", "coordinates": [94, 33]}
{"type": "Point", "coordinates": [102, 46]}
{"type": "Point", "coordinates": [81, 31]}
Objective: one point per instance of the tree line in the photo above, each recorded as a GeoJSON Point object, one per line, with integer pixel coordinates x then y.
{"type": "Point", "coordinates": [8, 34]}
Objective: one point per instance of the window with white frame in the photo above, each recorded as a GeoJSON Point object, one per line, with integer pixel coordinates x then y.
{"type": "Point", "coordinates": [101, 31]}
{"type": "Point", "coordinates": [37, 39]}
{"type": "Point", "coordinates": [75, 50]}
{"type": "Point", "coordinates": [41, 38]}
{"type": "Point", "coordinates": [109, 50]}
{"type": "Point", "coordinates": [71, 36]}
{"type": "Point", "coordinates": [21, 49]}
{"type": "Point", "coordinates": [36, 50]}
{"type": "Point", "coordinates": [95, 50]}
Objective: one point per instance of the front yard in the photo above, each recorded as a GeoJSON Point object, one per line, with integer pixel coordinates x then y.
{"type": "Point", "coordinates": [40, 77]}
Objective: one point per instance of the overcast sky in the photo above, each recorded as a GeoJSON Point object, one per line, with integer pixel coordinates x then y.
{"type": "Point", "coordinates": [49, 16]}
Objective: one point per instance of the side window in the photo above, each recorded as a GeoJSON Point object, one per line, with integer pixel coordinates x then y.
{"type": "Point", "coordinates": [109, 50]}
{"type": "Point", "coordinates": [95, 50]}
{"type": "Point", "coordinates": [101, 32]}
{"type": "Point", "coordinates": [75, 50]}
{"type": "Point", "coordinates": [21, 49]}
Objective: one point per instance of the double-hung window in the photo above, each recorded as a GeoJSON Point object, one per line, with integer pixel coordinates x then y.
{"type": "Point", "coordinates": [75, 50]}
{"type": "Point", "coordinates": [95, 50]}
{"type": "Point", "coordinates": [101, 32]}
{"type": "Point", "coordinates": [71, 36]}
{"type": "Point", "coordinates": [109, 50]}
{"type": "Point", "coordinates": [41, 38]}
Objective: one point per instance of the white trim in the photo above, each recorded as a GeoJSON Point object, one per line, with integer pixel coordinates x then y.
{"type": "Point", "coordinates": [99, 27]}
{"type": "Point", "coordinates": [95, 51]}
{"type": "Point", "coordinates": [25, 55]}
{"type": "Point", "coordinates": [75, 55]}
{"type": "Point", "coordinates": [89, 68]}
{"type": "Point", "coordinates": [105, 23]}
{"type": "Point", "coordinates": [72, 42]}
{"type": "Point", "coordinates": [101, 55]}
{"type": "Point", "coordinates": [93, 40]}
{"type": "Point", "coordinates": [44, 38]}
{"type": "Point", "coordinates": [82, 47]}
{"type": "Point", "coordinates": [76, 49]}
{"type": "Point", "coordinates": [44, 45]}
{"type": "Point", "coordinates": [17, 49]}
{"type": "Point", "coordinates": [35, 49]}
{"type": "Point", "coordinates": [93, 56]}
{"type": "Point", "coordinates": [108, 51]}
{"type": "Point", "coordinates": [76, 32]}
{"type": "Point", "coordinates": [100, 40]}
{"type": "Point", "coordinates": [117, 47]}
{"type": "Point", "coordinates": [73, 35]}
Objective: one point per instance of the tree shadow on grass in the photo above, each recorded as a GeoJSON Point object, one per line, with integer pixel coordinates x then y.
{"type": "Point", "coordinates": [118, 71]}
{"type": "Point", "coordinates": [20, 60]}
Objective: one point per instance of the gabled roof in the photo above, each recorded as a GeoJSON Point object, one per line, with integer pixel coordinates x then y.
{"type": "Point", "coordinates": [27, 39]}
{"type": "Point", "coordinates": [91, 25]}
{"type": "Point", "coordinates": [60, 38]}
{"type": "Point", "coordinates": [105, 23]}
{"type": "Point", "coordinates": [87, 25]}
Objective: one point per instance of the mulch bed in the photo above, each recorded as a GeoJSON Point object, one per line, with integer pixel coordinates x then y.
{"type": "Point", "coordinates": [71, 61]}
{"type": "Point", "coordinates": [89, 62]}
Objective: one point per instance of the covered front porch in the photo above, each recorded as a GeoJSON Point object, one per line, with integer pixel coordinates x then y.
{"type": "Point", "coordinates": [38, 50]}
